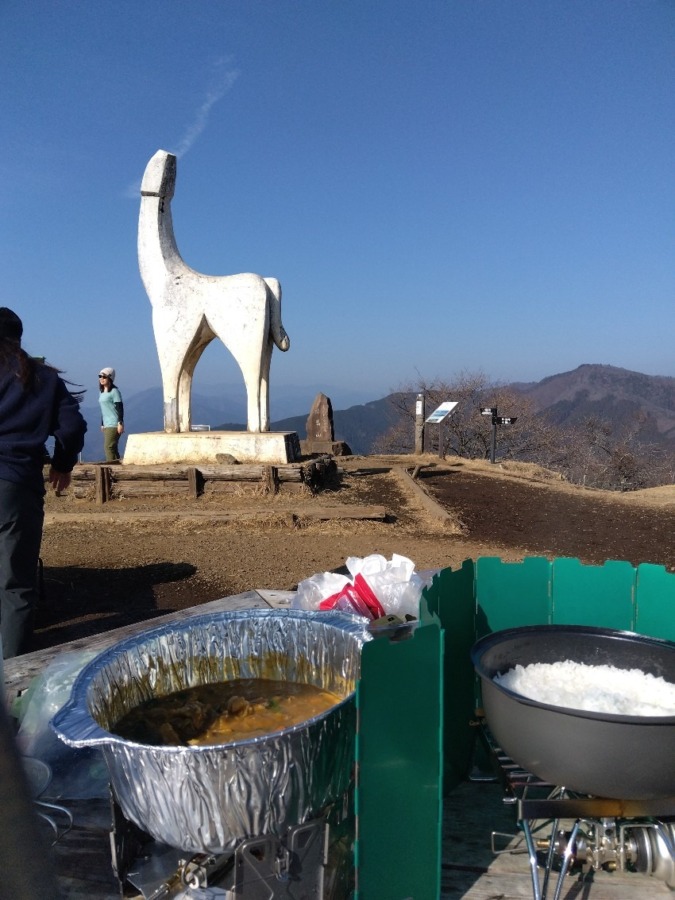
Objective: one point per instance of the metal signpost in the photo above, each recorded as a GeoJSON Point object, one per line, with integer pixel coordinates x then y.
{"type": "Point", "coordinates": [438, 416]}
{"type": "Point", "coordinates": [496, 420]}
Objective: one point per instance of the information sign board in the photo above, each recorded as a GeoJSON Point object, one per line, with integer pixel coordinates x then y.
{"type": "Point", "coordinates": [441, 412]}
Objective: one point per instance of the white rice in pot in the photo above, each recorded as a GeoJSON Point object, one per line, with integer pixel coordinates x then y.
{"type": "Point", "coordinates": [603, 689]}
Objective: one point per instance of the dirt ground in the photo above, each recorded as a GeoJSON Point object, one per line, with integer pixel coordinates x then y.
{"type": "Point", "coordinates": [126, 561]}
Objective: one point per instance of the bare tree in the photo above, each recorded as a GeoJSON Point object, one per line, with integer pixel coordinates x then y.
{"type": "Point", "coordinates": [618, 459]}
{"type": "Point", "coordinates": [592, 453]}
{"type": "Point", "coordinates": [466, 433]}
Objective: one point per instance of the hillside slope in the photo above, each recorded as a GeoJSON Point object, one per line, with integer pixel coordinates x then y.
{"type": "Point", "coordinates": [614, 395]}
{"type": "Point", "coordinates": [610, 393]}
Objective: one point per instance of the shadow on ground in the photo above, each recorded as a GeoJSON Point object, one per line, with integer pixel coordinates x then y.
{"type": "Point", "coordinates": [99, 599]}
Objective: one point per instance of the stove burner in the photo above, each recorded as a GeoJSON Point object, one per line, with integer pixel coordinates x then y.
{"type": "Point", "coordinates": [583, 833]}
{"type": "Point", "coordinates": [310, 860]}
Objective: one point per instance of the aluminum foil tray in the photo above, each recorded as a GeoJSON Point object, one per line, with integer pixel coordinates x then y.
{"type": "Point", "coordinates": [209, 798]}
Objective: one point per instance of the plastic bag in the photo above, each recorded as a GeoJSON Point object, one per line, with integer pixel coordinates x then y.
{"type": "Point", "coordinates": [76, 774]}
{"type": "Point", "coordinates": [377, 587]}
{"type": "Point", "coordinates": [313, 590]}
{"type": "Point", "coordinates": [395, 582]}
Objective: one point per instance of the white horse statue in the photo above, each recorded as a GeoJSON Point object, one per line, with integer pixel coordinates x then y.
{"type": "Point", "coordinates": [190, 309]}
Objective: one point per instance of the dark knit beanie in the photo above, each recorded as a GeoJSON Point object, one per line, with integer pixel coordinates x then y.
{"type": "Point", "coordinates": [11, 325]}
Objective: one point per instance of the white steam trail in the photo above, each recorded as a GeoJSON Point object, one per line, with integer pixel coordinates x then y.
{"type": "Point", "coordinates": [222, 84]}
{"type": "Point", "coordinates": [223, 80]}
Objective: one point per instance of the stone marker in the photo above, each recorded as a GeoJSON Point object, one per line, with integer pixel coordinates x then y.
{"type": "Point", "coordinates": [320, 430]}
{"type": "Point", "coordinates": [320, 420]}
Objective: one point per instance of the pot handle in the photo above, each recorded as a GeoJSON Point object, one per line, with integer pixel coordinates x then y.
{"type": "Point", "coordinates": [75, 726]}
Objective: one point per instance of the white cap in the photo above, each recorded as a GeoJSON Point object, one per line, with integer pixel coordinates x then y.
{"type": "Point", "coordinates": [108, 372]}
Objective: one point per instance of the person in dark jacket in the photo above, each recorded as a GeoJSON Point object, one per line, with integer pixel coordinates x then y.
{"type": "Point", "coordinates": [34, 404]}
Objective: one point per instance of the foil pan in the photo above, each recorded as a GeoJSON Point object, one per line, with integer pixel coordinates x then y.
{"type": "Point", "coordinates": [210, 798]}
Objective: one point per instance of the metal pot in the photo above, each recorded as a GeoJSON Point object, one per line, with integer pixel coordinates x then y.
{"type": "Point", "coordinates": [209, 798]}
{"type": "Point", "coordinates": [605, 755]}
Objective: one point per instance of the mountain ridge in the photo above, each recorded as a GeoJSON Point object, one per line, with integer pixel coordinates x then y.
{"type": "Point", "coordinates": [608, 392]}
{"type": "Point", "coordinates": [611, 393]}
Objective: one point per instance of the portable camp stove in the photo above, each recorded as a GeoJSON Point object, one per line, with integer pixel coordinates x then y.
{"type": "Point", "coordinates": [566, 832]}
{"type": "Point", "coordinates": [311, 860]}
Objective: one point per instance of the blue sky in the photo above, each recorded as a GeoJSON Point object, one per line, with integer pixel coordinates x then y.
{"type": "Point", "coordinates": [468, 185]}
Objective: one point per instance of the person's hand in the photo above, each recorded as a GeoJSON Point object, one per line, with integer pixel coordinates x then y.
{"type": "Point", "coordinates": [59, 480]}
{"type": "Point", "coordinates": [120, 427]}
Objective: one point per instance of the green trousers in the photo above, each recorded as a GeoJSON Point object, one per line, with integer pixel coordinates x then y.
{"type": "Point", "coordinates": [111, 441]}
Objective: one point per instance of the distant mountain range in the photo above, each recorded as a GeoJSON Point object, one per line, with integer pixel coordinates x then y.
{"type": "Point", "coordinates": [607, 392]}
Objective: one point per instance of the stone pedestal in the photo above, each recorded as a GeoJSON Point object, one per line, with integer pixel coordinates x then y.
{"type": "Point", "coordinates": [194, 447]}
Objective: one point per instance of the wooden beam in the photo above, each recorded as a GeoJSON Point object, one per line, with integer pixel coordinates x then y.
{"type": "Point", "coordinates": [154, 488]}
{"type": "Point", "coordinates": [151, 473]}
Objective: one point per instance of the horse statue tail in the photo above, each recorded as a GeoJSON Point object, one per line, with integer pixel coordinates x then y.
{"type": "Point", "coordinates": [279, 336]}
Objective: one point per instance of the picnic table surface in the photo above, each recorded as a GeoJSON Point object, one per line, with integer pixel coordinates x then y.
{"type": "Point", "coordinates": [471, 813]}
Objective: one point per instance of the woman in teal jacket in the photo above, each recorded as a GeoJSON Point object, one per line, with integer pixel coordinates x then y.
{"type": "Point", "coordinates": [112, 413]}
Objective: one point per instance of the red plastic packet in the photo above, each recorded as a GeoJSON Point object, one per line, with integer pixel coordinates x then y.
{"type": "Point", "coordinates": [346, 600]}
{"type": "Point", "coordinates": [366, 593]}
{"type": "Point", "coordinates": [355, 598]}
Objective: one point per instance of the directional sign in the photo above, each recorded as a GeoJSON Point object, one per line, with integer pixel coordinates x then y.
{"type": "Point", "coordinates": [506, 420]}
{"type": "Point", "coordinates": [442, 411]}
{"type": "Point", "coordinates": [488, 410]}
